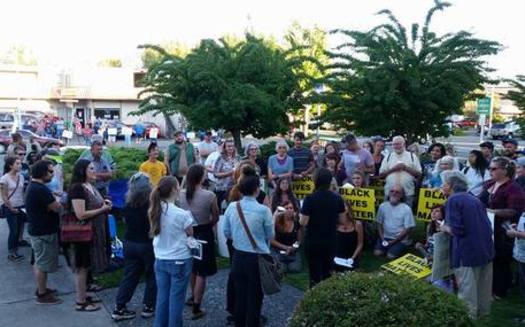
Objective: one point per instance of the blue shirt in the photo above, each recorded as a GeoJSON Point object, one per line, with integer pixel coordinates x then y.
{"type": "Point", "coordinates": [471, 244]}
{"type": "Point", "coordinates": [277, 168]}
{"type": "Point", "coordinates": [259, 220]}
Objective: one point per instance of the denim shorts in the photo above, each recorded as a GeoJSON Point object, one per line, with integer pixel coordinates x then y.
{"type": "Point", "coordinates": [45, 249]}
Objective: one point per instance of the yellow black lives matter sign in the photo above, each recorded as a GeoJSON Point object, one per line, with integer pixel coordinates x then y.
{"type": "Point", "coordinates": [409, 265]}
{"type": "Point", "coordinates": [428, 198]}
{"type": "Point", "coordinates": [302, 187]}
{"type": "Point", "coordinates": [363, 201]}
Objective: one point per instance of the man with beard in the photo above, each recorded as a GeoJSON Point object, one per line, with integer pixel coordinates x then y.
{"type": "Point", "coordinates": [179, 156]}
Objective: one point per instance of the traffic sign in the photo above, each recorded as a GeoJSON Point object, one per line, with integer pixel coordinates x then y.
{"type": "Point", "coordinates": [483, 107]}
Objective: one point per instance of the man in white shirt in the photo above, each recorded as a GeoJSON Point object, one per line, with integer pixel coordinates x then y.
{"type": "Point", "coordinates": [206, 147]}
{"type": "Point", "coordinates": [401, 168]}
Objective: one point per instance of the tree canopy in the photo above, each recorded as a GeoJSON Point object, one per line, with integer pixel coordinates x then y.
{"type": "Point", "coordinates": [245, 88]}
{"type": "Point", "coordinates": [388, 80]}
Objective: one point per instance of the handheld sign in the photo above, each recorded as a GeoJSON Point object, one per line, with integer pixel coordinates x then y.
{"type": "Point", "coordinates": [127, 131]}
{"type": "Point", "coordinates": [303, 187]}
{"type": "Point", "coordinates": [363, 201]}
{"type": "Point", "coordinates": [409, 265]}
{"type": "Point", "coordinates": [428, 198]}
{"type": "Point", "coordinates": [67, 134]}
{"type": "Point", "coordinates": [154, 133]}
{"type": "Point", "coordinates": [112, 131]}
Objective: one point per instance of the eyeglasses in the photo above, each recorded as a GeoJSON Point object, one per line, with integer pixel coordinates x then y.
{"type": "Point", "coordinates": [253, 149]}
{"type": "Point", "coordinates": [22, 154]}
{"type": "Point", "coordinates": [395, 192]}
{"type": "Point", "coordinates": [281, 147]}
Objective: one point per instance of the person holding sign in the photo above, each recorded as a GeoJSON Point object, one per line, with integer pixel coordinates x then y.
{"type": "Point", "coordinates": [471, 245]}
{"type": "Point", "coordinates": [400, 168]}
{"type": "Point", "coordinates": [394, 219]}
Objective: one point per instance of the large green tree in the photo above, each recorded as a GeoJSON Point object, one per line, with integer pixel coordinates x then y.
{"type": "Point", "coordinates": [518, 97]}
{"type": "Point", "coordinates": [244, 88]}
{"type": "Point", "coordinates": [388, 80]}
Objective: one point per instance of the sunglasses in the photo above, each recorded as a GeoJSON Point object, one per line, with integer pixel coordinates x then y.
{"type": "Point", "coordinates": [22, 154]}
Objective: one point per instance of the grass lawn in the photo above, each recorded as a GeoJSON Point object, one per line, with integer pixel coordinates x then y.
{"type": "Point", "coordinates": [503, 311]}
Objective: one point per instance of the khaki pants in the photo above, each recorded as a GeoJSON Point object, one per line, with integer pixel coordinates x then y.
{"type": "Point", "coordinates": [475, 288]}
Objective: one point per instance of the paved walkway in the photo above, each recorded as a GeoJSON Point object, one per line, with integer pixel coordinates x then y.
{"type": "Point", "coordinates": [18, 307]}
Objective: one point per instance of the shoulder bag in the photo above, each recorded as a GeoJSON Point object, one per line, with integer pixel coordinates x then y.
{"type": "Point", "coordinates": [269, 268]}
{"type": "Point", "coordinates": [74, 230]}
{"type": "Point", "coordinates": [4, 208]}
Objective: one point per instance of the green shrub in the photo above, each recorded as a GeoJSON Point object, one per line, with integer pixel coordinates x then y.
{"type": "Point", "coordinates": [357, 299]}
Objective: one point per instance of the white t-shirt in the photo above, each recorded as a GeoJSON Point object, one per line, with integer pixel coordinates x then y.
{"type": "Point", "coordinates": [210, 163]}
{"type": "Point", "coordinates": [395, 219]}
{"type": "Point", "coordinates": [402, 178]}
{"type": "Point", "coordinates": [171, 243]}
{"type": "Point", "coordinates": [474, 178]}
{"type": "Point", "coordinates": [17, 199]}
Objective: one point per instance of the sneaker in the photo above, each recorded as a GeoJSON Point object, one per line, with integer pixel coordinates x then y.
{"type": "Point", "coordinates": [122, 314]}
{"type": "Point", "coordinates": [15, 257]}
{"type": "Point", "coordinates": [198, 314]}
{"type": "Point", "coordinates": [147, 312]}
{"type": "Point", "coordinates": [48, 290]}
{"type": "Point", "coordinates": [48, 299]}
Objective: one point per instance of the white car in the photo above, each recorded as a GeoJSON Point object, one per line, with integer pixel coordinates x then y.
{"type": "Point", "coordinates": [504, 130]}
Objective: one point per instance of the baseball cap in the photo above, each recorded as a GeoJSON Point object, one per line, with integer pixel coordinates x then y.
{"type": "Point", "coordinates": [509, 140]}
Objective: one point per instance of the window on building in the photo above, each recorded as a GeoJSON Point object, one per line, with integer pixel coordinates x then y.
{"type": "Point", "coordinates": [107, 113]}
{"type": "Point", "coordinates": [138, 79]}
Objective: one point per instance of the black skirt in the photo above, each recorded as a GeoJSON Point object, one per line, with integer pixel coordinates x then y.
{"type": "Point", "coordinates": [78, 255]}
{"type": "Point", "coordinates": [208, 265]}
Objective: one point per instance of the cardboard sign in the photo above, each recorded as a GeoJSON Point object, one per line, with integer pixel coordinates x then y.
{"type": "Point", "coordinates": [67, 134]}
{"type": "Point", "coordinates": [112, 131]}
{"type": "Point", "coordinates": [409, 265]}
{"type": "Point", "coordinates": [427, 199]}
{"type": "Point", "coordinates": [154, 133]}
{"type": "Point", "coordinates": [127, 131]}
{"type": "Point", "coordinates": [303, 187]}
{"type": "Point", "coordinates": [363, 201]}
{"type": "Point", "coordinates": [378, 185]}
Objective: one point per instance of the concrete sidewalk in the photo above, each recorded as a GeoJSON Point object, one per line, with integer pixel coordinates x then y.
{"type": "Point", "coordinates": [17, 300]}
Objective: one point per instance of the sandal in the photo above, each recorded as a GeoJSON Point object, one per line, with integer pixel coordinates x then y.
{"type": "Point", "coordinates": [93, 300]}
{"type": "Point", "coordinates": [86, 307]}
{"type": "Point", "coordinates": [94, 288]}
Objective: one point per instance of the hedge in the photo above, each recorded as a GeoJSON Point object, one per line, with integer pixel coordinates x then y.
{"type": "Point", "coordinates": [380, 299]}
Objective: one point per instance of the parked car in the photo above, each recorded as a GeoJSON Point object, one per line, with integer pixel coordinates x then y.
{"type": "Point", "coordinates": [468, 122]}
{"type": "Point", "coordinates": [504, 130]}
{"type": "Point", "coordinates": [5, 139]}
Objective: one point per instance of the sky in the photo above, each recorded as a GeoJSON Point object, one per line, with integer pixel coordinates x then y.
{"type": "Point", "coordinates": [72, 33]}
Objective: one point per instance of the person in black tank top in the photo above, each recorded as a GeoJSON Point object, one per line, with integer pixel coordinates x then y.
{"type": "Point", "coordinates": [287, 239]}
{"type": "Point", "coordinates": [349, 239]}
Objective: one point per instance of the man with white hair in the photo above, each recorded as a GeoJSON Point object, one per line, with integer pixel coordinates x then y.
{"type": "Point", "coordinates": [401, 168]}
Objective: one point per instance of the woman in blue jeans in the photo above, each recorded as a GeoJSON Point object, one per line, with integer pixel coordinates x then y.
{"type": "Point", "coordinates": [138, 251]}
{"type": "Point", "coordinates": [173, 260]}
{"type": "Point", "coordinates": [12, 191]}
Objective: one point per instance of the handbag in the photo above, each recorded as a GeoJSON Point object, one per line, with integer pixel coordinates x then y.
{"type": "Point", "coordinates": [4, 208]}
{"type": "Point", "coordinates": [74, 230]}
{"type": "Point", "coordinates": [269, 268]}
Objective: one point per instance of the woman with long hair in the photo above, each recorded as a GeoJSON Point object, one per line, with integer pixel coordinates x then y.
{"type": "Point", "coordinates": [245, 270]}
{"type": "Point", "coordinates": [377, 154]}
{"type": "Point", "coordinates": [288, 237]}
{"type": "Point", "coordinates": [12, 190]}
{"type": "Point", "coordinates": [283, 193]}
{"type": "Point", "coordinates": [224, 169]}
{"type": "Point", "coordinates": [170, 227]}
{"type": "Point", "coordinates": [349, 239]}
{"type": "Point", "coordinates": [235, 194]}
{"type": "Point", "coordinates": [138, 251]}
{"type": "Point", "coordinates": [320, 213]}
{"type": "Point", "coordinates": [203, 206]}
{"type": "Point", "coordinates": [86, 203]}
{"type": "Point", "coordinates": [477, 172]}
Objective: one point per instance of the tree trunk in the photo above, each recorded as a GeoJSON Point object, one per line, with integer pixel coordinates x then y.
{"type": "Point", "coordinates": [170, 127]}
{"type": "Point", "coordinates": [237, 139]}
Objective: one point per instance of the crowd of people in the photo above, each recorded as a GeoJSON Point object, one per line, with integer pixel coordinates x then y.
{"type": "Point", "coordinates": [173, 207]}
